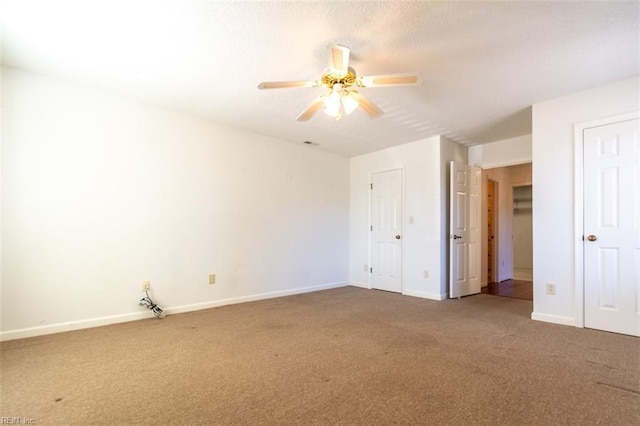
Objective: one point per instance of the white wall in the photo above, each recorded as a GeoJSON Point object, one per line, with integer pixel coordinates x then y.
{"type": "Point", "coordinates": [501, 153]}
{"type": "Point", "coordinates": [553, 189]}
{"type": "Point", "coordinates": [101, 193]}
{"type": "Point", "coordinates": [422, 201]}
{"type": "Point", "coordinates": [425, 243]}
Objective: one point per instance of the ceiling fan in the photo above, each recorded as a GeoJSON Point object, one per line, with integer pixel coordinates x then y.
{"type": "Point", "coordinates": [340, 80]}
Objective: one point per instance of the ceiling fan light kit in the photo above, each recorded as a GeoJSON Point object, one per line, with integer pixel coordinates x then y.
{"type": "Point", "coordinates": [339, 78]}
{"type": "Point", "coordinates": [339, 102]}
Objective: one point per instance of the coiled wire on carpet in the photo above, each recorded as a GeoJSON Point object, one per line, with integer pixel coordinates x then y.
{"type": "Point", "coordinates": [157, 310]}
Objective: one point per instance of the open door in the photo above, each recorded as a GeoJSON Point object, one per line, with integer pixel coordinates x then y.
{"type": "Point", "coordinates": [464, 230]}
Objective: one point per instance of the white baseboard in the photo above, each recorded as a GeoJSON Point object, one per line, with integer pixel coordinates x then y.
{"type": "Point", "coordinates": [360, 284]}
{"type": "Point", "coordinates": [251, 298]}
{"type": "Point", "coordinates": [135, 316]}
{"type": "Point", "coordinates": [555, 319]}
{"type": "Point", "coordinates": [412, 293]}
{"type": "Point", "coordinates": [425, 295]}
{"type": "Point", "coordinates": [71, 325]}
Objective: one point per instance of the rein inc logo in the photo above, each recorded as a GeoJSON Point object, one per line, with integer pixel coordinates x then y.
{"type": "Point", "coordinates": [16, 421]}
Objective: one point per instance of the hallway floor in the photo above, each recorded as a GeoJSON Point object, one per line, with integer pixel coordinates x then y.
{"type": "Point", "coordinates": [518, 289]}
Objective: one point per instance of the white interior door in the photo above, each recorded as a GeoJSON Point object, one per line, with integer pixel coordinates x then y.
{"type": "Point", "coordinates": [465, 232]}
{"type": "Point", "coordinates": [611, 227]}
{"type": "Point", "coordinates": [386, 231]}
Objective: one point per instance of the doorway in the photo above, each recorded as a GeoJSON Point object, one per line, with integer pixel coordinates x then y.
{"type": "Point", "coordinates": [508, 242]}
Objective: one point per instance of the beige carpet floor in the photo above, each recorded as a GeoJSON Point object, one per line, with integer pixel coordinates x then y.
{"type": "Point", "coordinates": [343, 356]}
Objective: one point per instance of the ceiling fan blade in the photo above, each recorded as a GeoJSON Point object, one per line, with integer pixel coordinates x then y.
{"type": "Point", "coordinates": [368, 106]}
{"type": "Point", "coordinates": [311, 109]}
{"type": "Point", "coordinates": [403, 79]}
{"type": "Point", "coordinates": [338, 60]}
{"type": "Point", "coordinates": [286, 84]}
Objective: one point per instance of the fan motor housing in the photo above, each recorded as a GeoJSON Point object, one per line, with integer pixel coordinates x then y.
{"type": "Point", "coordinates": [329, 79]}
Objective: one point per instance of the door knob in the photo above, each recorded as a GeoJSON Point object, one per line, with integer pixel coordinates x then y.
{"type": "Point", "coordinates": [397, 237]}
{"type": "Point", "coordinates": [456, 237]}
{"type": "Point", "coordinates": [592, 238]}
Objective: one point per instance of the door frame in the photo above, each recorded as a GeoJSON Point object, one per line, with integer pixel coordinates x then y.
{"type": "Point", "coordinates": [511, 206]}
{"type": "Point", "coordinates": [496, 224]}
{"type": "Point", "coordinates": [578, 204]}
{"type": "Point", "coordinates": [402, 225]}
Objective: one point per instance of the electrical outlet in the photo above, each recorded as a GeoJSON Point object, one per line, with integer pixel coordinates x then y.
{"type": "Point", "coordinates": [366, 268]}
{"type": "Point", "coordinates": [146, 285]}
{"type": "Point", "coordinates": [212, 279]}
{"type": "Point", "coordinates": [426, 274]}
{"type": "Point", "coordinates": [551, 288]}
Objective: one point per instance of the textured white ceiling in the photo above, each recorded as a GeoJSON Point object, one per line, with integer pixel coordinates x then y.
{"type": "Point", "coordinates": [483, 64]}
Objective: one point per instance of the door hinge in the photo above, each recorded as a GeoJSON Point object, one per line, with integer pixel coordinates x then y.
{"type": "Point", "coordinates": [371, 228]}
{"type": "Point", "coordinates": [371, 270]}
{"type": "Point", "coordinates": [371, 185]}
